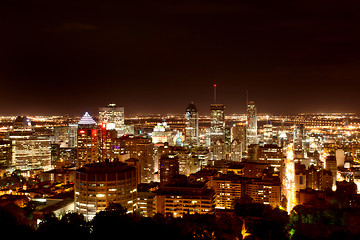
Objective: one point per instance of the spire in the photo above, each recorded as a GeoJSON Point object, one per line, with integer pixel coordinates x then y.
{"type": "Point", "coordinates": [214, 93]}
{"type": "Point", "coordinates": [86, 120]}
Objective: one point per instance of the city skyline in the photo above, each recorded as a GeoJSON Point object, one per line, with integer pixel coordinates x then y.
{"type": "Point", "coordinates": [155, 57]}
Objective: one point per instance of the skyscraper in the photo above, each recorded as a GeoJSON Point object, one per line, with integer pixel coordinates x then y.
{"type": "Point", "coordinates": [29, 152]}
{"type": "Point", "coordinates": [113, 116]}
{"type": "Point", "coordinates": [251, 128]}
{"type": "Point", "coordinates": [217, 122]}
{"type": "Point", "coordinates": [87, 141]}
{"type": "Point", "coordinates": [192, 126]}
{"type": "Point", "coordinates": [299, 135]}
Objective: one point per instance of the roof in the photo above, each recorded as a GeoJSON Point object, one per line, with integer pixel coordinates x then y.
{"type": "Point", "coordinates": [86, 120]}
{"type": "Point", "coordinates": [191, 107]}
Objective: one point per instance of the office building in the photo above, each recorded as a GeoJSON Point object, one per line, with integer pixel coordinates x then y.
{"type": "Point", "coordinates": [5, 152]}
{"type": "Point", "coordinates": [218, 150]}
{"type": "Point", "coordinates": [191, 126]}
{"type": "Point", "coordinates": [268, 134]}
{"type": "Point", "coordinates": [330, 165]}
{"type": "Point", "coordinates": [299, 137]}
{"type": "Point", "coordinates": [179, 198]}
{"type": "Point", "coordinates": [87, 141]}
{"type": "Point", "coordinates": [30, 154]}
{"type": "Point", "coordinates": [66, 136]}
{"type": "Point", "coordinates": [228, 188]}
{"type": "Point", "coordinates": [272, 155]}
{"type": "Point", "coordinates": [114, 118]}
{"type": "Point", "coordinates": [169, 168]}
{"type": "Point", "coordinates": [236, 150]}
{"type": "Point", "coordinates": [251, 124]}
{"type": "Point", "coordinates": [28, 151]}
{"type": "Point", "coordinates": [106, 138]}
{"type": "Point", "coordinates": [100, 183]}
{"type": "Point", "coordinates": [265, 191]}
{"type": "Point", "coordinates": [217, 127]}
{"type": "Point", "coordinates": [142, 148]}
{"type": "Point", "coordinates": [238, 133]}
{"type": "Point", "coordinates": [162, 134]}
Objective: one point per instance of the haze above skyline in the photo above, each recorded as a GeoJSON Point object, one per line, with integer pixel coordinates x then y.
{"type": "Point", "coordinates": [157, 56]}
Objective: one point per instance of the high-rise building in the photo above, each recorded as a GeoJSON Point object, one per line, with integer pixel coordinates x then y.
{"type": "Point", "coordinates": [106, 138]}
{"type": "Point", "coordinates": [169, 167]}
{"type": "Point", "coordinates": [236, 151]}
{"type": "Point", "coordinates": [227, 189]}
{"type": "Point", "coordinates": [238, 133]}
{"type": "Point", "coordinates": [265, 191]}
{"type": "Point", "coordinates": [5, 152]}
{"type": "Point", "coordinates": [28, 151]}
{"type": "Point", "coordinates": [192, 126]}
{"type": "Point", "coordinates": [113, 116]}
{"type": "Point", "coordinates": [87, 141]}
{"type": "Point", "coordinates": [217, 123]}
{"type": "Point", "coordinates": [28, 154]}
{"type": "Point", "coordinates": [219, 150]}
{"type": "Point", "coordinates": [251, 127]}
{"type": "Point", "coordinates": [299, 135]}
{"type": "Point", "coordinates": [268, 134]}
{"type": "Point", "coordinates": [66, 135]}
{"type": "Point", "coordinates": [330, 165]}
{"type": "Point", "coordinates": [101, 183]}
{"type": "Point", "coordinates": [272, 155]}
{"type": "Point", "coordinates": [141, 148]}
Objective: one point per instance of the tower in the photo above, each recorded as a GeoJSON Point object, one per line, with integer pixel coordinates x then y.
{"type": "Point", "coordinates": [299, 135]}
{"type": "Point", "coordinates": [251, 128]}
{"type": "Point", "coordinates": [217, 121]}
{"type": "Point", "coordinates": [192, 125]}
{"type": "Point", "coordinates": [87, 141]}
{"type": "Point", "coordinates": [113, 116]}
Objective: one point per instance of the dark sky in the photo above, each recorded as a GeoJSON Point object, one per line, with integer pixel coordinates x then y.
{"type": "Point", "coordinates": [156, 56]}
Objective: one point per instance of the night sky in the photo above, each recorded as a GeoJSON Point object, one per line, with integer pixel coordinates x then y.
{"type": "Point", "coordinates": [60, 57]}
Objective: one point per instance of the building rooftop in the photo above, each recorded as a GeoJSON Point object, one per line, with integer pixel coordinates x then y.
{"type": "Point", "coordinates": [105, 167]}
{"type": "Point", "coordinates": [86, 120]}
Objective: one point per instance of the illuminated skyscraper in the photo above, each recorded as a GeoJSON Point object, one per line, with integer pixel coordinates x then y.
{"type": "Point", "coordinates": [28, 151]}
{"type": "Point", "coordinates": [87, 141]}
{"type": "Point", "coordinates": [251, 128]}
{"type": "Point", "coordinates": [217, 122]}
{"type": "Point", "coordinates": [192, 126]}
{"type": "Point", "coordinates": [299, 135]}
{"type": "Point", "coordinates": [141, 148]}
{"type": "Point", "coordinates": [113, 116]}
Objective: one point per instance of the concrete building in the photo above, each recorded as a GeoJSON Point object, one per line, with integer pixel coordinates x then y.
{"type": "Point", "coordinates": [87, 141]}
{"type": "Point", "coordinates": [251, 126]}
{"type": "Point", "coordinates": [191, 126]}
{"type": "Point", "coordinates": [179, 198]}
{"type": "Point", "coordinates": [217, 123]}
{"type": "Point", "coordinates": [100, 183]}
{"type": "Point", "coordinates": [169, 168]}
{"type": "Point", "coordinates": [114, 118]}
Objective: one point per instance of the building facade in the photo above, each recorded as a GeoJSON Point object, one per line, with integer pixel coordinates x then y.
{"type": "Point", "coordinates": [251, 126]}
{"type": "Point", "coordinates": [98, 184]}
{"type": "Point", "coordinates": [191, 126]}
{"type": "Point", "coordinates": [114, 118]}
{"type": "Point", "coordinates": [87, 141]}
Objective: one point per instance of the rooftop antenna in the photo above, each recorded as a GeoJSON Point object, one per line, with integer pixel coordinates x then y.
{"type": "Point", "coordinates": [214, 93]}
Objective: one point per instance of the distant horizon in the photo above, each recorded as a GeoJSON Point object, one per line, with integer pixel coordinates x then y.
{"type": "Point", "coordinates": [176, 114]}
